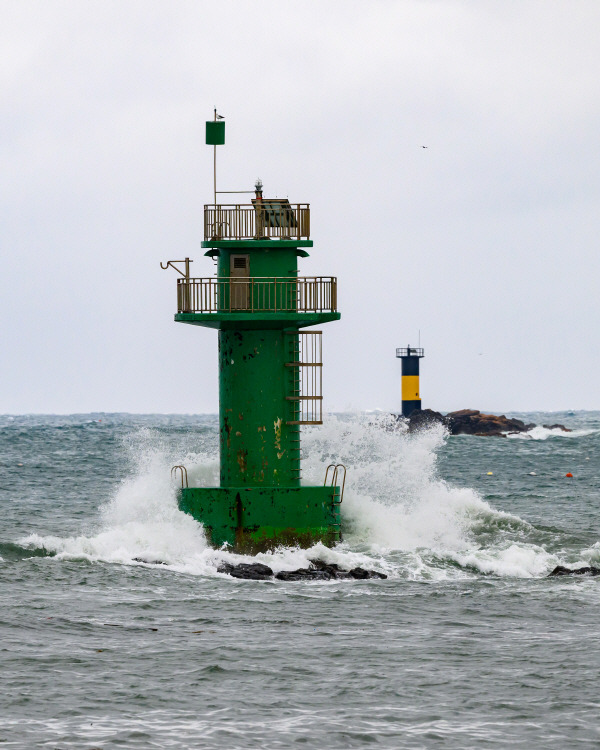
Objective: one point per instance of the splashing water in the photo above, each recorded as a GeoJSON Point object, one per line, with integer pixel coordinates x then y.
{"type": "Point", "coordinates": [398, 515]}
{"type": "Point", "coordinates": [543, 433]}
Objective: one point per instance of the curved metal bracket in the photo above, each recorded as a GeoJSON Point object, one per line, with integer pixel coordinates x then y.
{"type": "Point", "coordinates": [171, 263]}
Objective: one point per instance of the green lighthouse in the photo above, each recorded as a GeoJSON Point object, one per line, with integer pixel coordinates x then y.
{"type": "Point", "coordinates": [270, 372]}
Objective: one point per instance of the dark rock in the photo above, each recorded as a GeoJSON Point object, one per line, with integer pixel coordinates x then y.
{"type": "Point", "coordinates": [318, 571]}
{"type": "Point", "coordinates": [248, 571]}
{"type": "Point", "coordinates": [363, 574]}
{"type": "Point", "coordinates": [464, 413]}
{"type": "Point", "coordinates": [304, 574]}
{"type": "Point", "coordinates": [331, 568]}
{"type": "Point", "coordinates": [473, 422]}
{"type": "Point", "coordinates": [560, 570]}
{"type": "Point", "coordinates": [557, 427]}
{"type": "Point", "coordinates": [424, 418]}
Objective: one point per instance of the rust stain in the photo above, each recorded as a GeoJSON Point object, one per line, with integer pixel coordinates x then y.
{"type": "Point", "coordinates": [277, 427]}
{"type": "Point", "coordinates": [227, 428]}
{"type": "Point", "coordinates": [242, 460]}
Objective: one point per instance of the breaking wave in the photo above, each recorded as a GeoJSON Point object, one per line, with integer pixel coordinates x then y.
{"type": "Point", "coordinates": [543, 433]}
{"type": "Point", "coordinates": [398, 515]}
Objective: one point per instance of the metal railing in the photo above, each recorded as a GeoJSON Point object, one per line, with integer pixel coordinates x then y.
{"type": "Point", "coordinates": [265, 218]}
{"type": "Point", "coordinates": [410, 351]}
{"type": "Point", "coordinates": [257, 294]}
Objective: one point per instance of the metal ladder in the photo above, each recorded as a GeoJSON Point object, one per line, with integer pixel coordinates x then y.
{"type": "Point", "coordinates": [293, 401]}
{"type": "Point", "coordinates": [338, 494]}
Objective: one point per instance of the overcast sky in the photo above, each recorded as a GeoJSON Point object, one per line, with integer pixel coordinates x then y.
{"type": "Point", "coordinates": [486, 241]}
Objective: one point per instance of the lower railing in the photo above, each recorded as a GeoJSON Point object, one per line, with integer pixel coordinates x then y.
{"type": "Point", "coordinates": [257, 294]}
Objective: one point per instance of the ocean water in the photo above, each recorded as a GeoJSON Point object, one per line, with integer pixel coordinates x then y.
{"type": "Point", "coordinates": [467, 644]}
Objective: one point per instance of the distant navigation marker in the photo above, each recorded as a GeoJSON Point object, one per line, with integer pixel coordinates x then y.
{"type": "Point", "coordinates": [411, 400]}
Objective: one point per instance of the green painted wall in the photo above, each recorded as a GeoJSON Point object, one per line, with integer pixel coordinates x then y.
{"type": "Point", "coordinates": [264, 261]}
{"type": "Point", "coordinates": [257, 446]}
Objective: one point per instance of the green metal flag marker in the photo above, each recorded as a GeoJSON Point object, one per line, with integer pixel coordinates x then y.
{"type": "Point", "coordinates": [215, 136]}
{"type": "Point", "coordinates": [270, 374]}
{"type": "Point", "coordinates": [215, 133]}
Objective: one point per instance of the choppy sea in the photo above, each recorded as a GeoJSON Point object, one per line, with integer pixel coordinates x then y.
{"type": "Point", "coordinates": [467, 644]}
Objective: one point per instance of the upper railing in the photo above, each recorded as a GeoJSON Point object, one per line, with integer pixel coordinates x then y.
{"type": "Point", "coordinates": [264, 218]}
{"type": "Point", "coordinates": [410, 351]}
{"type": "Point", "coordinates": [257, 294]}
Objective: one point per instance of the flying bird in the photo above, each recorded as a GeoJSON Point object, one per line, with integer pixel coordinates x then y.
{"type": "Point", "coordinates": [424, 146]}
{"type": "Point", "coordinates": [220, 117]}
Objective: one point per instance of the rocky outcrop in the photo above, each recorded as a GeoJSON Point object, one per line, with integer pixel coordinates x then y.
{"type": "Point", "coordinates": [318, 571]}
{"type": "Point", "coordinates": [557, 427]}
{"type": "Point", "coordinates": [425, 418]}
{"type": "Point", "coordinates": [472, 422]}
{"type": "Point", "coordinates": [588, 570]}
{"type": "Point", "coordinates": [247, 571]}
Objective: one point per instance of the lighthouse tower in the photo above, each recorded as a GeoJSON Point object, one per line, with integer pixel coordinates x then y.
{"type": "Point", "coordinates": [270, 372]}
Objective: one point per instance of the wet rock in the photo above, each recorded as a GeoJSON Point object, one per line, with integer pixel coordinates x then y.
{"type": "Point", "coordinates": [424, 418]}
{"type": "Point", "coordinates": [467, 422]}
{"type": "Point", "coordinates": [560, 570]}
{"type": "Point", "coordinates": [333, 570]}
{"type": "Point", "coordinates": [318, 571]}
{"type": "Point", "coordinates": [248, 571]}
{"type": "Point", "coordinates": [473, 422]}
{"type": "Point", "coordinates": [149, 562]}
{"type": "Point", "coordinates": [465, 413]}
{"type": "Point", "coordinates": [362, 574]}
{"type": "Point", "coordinates": [304, 574]}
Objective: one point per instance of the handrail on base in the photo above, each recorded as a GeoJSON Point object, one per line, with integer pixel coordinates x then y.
{"type": "Point", "coordinates": [183, 471]}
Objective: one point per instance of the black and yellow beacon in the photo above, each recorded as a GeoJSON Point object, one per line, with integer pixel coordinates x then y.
{"type": "Point", "coordinates": [411, 399]}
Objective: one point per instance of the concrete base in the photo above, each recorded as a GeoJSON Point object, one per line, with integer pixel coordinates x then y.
{"type": "Point", "coordinates": [255, 519]}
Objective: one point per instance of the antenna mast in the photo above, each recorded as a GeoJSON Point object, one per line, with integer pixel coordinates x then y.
{"type": "Point", "coordinates": [215, 164]}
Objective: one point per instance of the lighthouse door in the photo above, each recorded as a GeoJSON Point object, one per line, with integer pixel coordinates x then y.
{"type": "Point", "coordinates": [239, 271]}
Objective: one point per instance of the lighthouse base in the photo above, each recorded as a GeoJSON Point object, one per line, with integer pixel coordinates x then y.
{"type": "Point", "coordinates": [256, 519]}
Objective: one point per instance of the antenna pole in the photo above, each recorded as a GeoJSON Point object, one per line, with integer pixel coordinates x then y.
{"type": "Point", "coordinates": [215, 166]}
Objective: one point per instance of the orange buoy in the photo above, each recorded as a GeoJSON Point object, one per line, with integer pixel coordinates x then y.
{"type": "Point", "coordinates": [569, 475]}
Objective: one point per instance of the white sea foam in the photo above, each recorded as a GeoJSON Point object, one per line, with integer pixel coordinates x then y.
{"type": "Point", "coordinates": [543, 433]}
{"type": "Point", "coordinates": [398, 515]}
{"type": "Point", "coordinates": [393, 498]}
{"type": "Point", "coordinates": [591, 556]}
{"type": "Point", "coordinates": [515, 560]}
